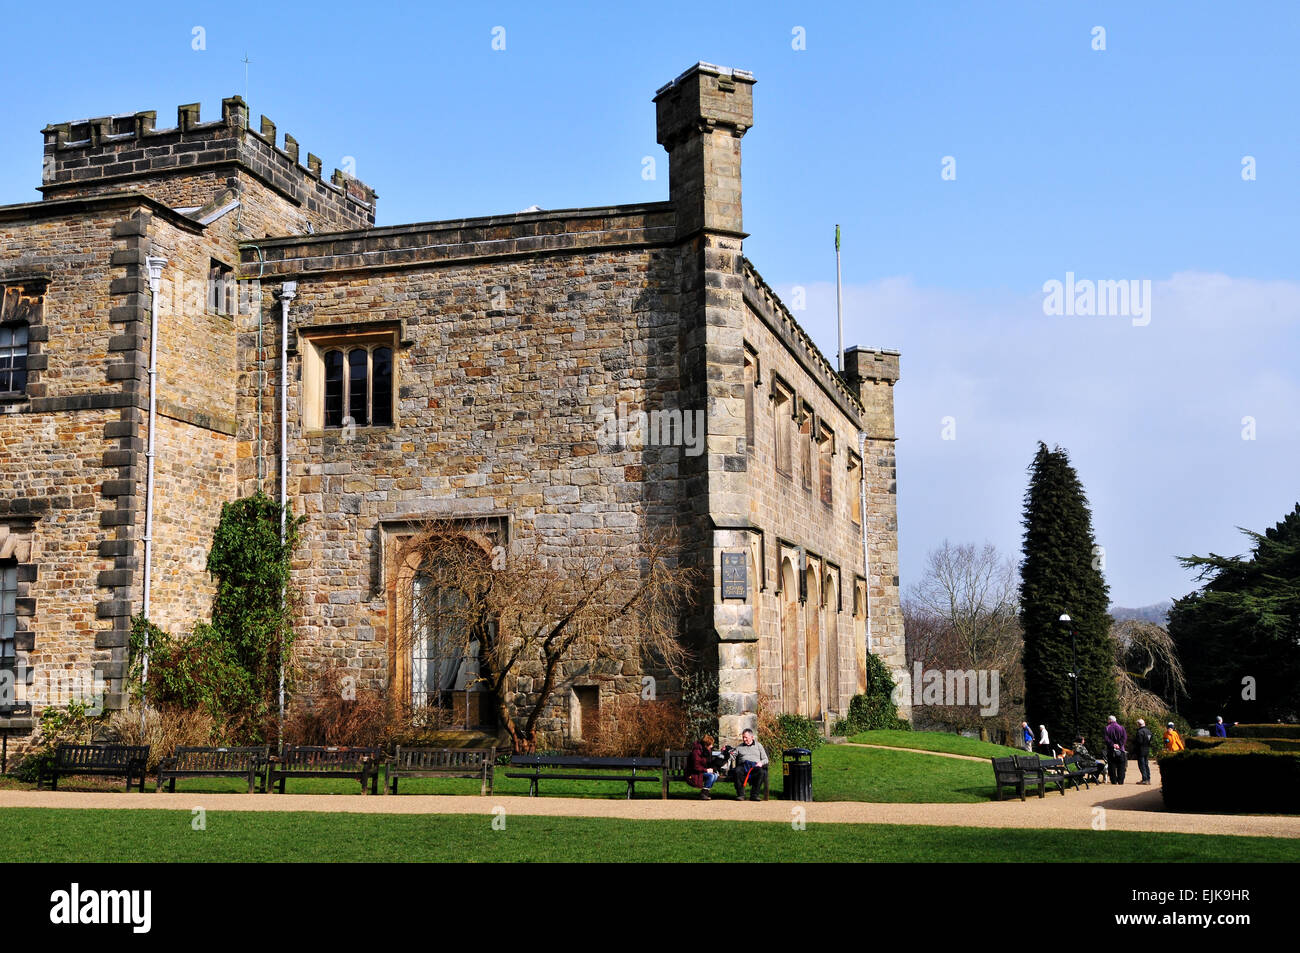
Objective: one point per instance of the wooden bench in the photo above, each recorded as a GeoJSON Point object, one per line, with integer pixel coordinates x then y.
{"type": "Point", "coordinates": [675, 762]}
{"type": "Point", "coordinates": [475, 763]}
{"type": "Point", "coordinates": [1052, 770]}
{"type": "Point", "coordinates": [574, 768]}
{"type": "Point", "coordinates": [359, 764]}
{"type": "Point", "coordinates": [196, 762]}
{"type": "Point", "coordinates": [1008, 774]}
{"type": "Point", "coordinates": [114, 761]}
{"type": "Point", "coordinates": [1082, 771]}
{"type": "Point", "coordinates": [1094, 769]}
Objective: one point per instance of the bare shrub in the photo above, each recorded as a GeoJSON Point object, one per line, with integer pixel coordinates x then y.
{"type": "Point", "coordinates": [525, 610]}
{"type": "Point", "coordinates": [337, 711]}
{"type": "Point", "coordinates": [163, 729]}
{"type": "Point", "coordinates": [631, 728]}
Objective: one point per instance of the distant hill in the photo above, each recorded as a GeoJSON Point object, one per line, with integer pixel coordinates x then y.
{"type": "Point", "coordinates": [1157, 612]}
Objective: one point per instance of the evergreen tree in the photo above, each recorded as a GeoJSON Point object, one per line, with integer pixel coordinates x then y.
{"type": "Point", "coordinates": [1239, 635]}
{"type": "Point", "coordinates": [1060, 573]}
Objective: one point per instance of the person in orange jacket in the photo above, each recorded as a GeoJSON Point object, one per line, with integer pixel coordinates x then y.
{"type": "Point", "coordinates": [1173, 740]}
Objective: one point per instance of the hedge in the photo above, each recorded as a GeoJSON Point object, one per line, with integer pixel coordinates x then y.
{"type": "Point", "coordinates": [1227, 782]}
{"type": "Point", "coordinates": [1264, 731]}
{"type": "Point", "coordinates": [1195, 743]}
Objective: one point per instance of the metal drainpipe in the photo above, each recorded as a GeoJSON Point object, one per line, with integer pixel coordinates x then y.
{"type": "Point", "coordinates": [261, 270]}
{"type": "Point", "coordinates": [155, 266]}
{"type": "Point", "coordinates": [866, 553]}
{"type": "Point", "coordinates": [287, 293]}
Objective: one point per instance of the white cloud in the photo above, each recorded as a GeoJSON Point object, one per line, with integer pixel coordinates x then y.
{"type": "Point", "coordinates": [1152, 416]}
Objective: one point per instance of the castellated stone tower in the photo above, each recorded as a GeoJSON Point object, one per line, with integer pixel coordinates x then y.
{"type": "Point", "coordinates": [701, 117]}
{"type": "Point", "coordinates": [873, 374]}
{"type": "Point", "coordinates": [783, 426]}
{"type": "Point", "coordinates": [193, 163]}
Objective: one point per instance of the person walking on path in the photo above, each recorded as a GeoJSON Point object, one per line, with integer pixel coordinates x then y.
{"type": "Point", "coordinates": [1116, 750]}
{"type": "Point", "coordinates": [1144, 740]}
{"type": "Point", "coordinates": [1044, 745]}
{"type": "Point", "coordinates": [1026, 736]}
{"type": "Point", "coordinates": [1173, 740]}
{"type": "Point", "coordinates": [1220, 729]}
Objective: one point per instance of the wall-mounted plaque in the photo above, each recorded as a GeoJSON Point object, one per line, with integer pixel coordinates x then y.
{"type": "Point", "coordinates": [734, 580]}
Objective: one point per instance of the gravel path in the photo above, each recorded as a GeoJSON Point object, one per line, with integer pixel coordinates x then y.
{"type": "Point", "coordinates": [1122, 808]}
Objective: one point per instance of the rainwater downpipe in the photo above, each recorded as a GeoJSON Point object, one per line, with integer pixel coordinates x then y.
{"type": "Point", "coordinates": [261, 376]}
{"type": "Point", "coordinates": [155, 266]}
{"type": "Point", "coordinates": [287, 293]}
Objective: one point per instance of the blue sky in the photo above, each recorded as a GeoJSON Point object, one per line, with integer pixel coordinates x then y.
{"type": "Point", "coordinates": [1116, 164]}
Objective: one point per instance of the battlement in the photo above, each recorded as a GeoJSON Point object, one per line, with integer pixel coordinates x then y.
{"type": "Point", "coordinates": [871, 364]}
{"type": "Point", "coordinates": [108, 152]}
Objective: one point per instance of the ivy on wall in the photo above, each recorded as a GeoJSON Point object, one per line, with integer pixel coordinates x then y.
{"type": "Point", "coordinates": [230, 666]}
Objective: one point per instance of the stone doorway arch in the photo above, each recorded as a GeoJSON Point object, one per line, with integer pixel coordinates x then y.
{"type": "Point", "coordinates": [832, 601]}
{"type": "Point", "coordinates": [790, 702]}
{"type": "Point", "coordinates": [812, 642]}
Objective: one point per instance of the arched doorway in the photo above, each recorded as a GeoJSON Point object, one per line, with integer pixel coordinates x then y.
{"type": "Point", "coordinates": [812, 643]}
{"type": "Point", "coordinates": [789, 639]}
{"type": "Point", "coordinates": [833, 694]}
{"type": "Point", "coordinates": [438, 657]}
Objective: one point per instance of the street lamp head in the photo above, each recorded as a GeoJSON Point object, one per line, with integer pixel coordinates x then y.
{"type": "Point", "coordinates": [1064, 618]}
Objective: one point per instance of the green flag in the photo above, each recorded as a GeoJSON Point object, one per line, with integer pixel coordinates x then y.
{"type": "Point", "coordinates": [837, 238]}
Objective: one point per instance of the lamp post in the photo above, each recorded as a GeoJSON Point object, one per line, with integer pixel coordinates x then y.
{"type": "Point", "coordinates": [1074, 667]}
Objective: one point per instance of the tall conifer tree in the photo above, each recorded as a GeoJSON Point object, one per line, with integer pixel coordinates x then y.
{"type": "Point", "coordinates": [1061, 573]}
{"type": "Point", "coordinates": [1239, 635]}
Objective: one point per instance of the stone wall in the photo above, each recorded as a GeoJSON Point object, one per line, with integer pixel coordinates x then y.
{"type": "Point", "coordinates": [507, 369]}
{"type": "Point", "coordinates": [67, 494]}
{"type": "Point", "coordinates": [797, 524]}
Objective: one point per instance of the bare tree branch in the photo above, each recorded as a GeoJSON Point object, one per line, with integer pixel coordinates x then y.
{"type": "Point", "coordinates": [532, 615]}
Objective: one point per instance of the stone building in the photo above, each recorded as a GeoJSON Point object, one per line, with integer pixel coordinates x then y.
{"type": "Point", "coordinates": [481, 370]}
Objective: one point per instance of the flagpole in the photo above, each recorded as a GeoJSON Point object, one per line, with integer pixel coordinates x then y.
{"type": "Point", "coordinates": [839, 310]}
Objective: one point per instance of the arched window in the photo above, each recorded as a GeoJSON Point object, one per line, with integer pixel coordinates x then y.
{"type": "Point", "coordinates": [13, 358]}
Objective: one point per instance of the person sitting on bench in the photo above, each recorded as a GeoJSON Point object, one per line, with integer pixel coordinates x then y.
{"type": "Point", "coordinates": [699, 771]}
{"type": "Point", "coordinates": [749, 765]}
{"type": "Point", "coordinates": [1083, 754]}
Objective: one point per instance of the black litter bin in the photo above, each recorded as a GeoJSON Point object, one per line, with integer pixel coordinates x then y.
{"type": "Point", "coordinates": [796, 768]}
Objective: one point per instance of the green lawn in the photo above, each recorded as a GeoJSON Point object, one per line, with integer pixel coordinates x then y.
{"type": "Point", "coordinates": [934, 741]}
{"type": "Point", "coordinates": [840, 773]}
{"type": "Point", "coordinates": [148, 836]}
